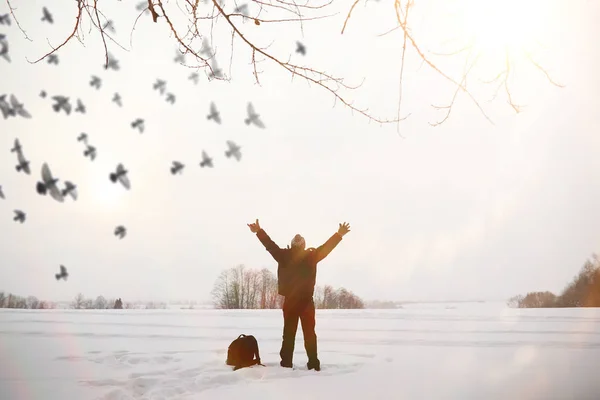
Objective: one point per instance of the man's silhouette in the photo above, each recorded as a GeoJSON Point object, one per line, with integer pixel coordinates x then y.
{"type": "Point", "coordinates": [296, 277]}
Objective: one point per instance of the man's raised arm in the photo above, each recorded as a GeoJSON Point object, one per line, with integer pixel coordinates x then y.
{"type": "Point", "coordinates": [269, 244]}
{"type": "Point", "coordinates": [326, 248]}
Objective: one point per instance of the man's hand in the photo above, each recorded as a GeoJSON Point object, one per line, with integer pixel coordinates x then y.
{"type": "Point", "coordinates": [344, 228]}
{"type": "Point", "coordinates": [255, 227]}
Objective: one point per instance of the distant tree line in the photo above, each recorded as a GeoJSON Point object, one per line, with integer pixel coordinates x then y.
{"type": "Point", "coordinates": [100, 303]}
{"type": "Point", "coordinates": [582, 291]}
{"type": "Point", "coordinates": [245, 288]}
{"type": "Point", "coordinates": [9, 300]}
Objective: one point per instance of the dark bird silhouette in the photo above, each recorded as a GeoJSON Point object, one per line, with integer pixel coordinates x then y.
{"type": "Point", "coordinates": [23, 164]}
{"type": "Point", "coordinates": [139, 124]}
{"type": "Point", "coordinates": [253, 117]}
{"type": "Point", "coordinates": [206, 160]}
{"type": "Point", "coordinates": [5, 19]}
{"type": "Point", "coordinates": [170, 98]}
{"type": "Point", "coordinates": [179, 57]}
{"type": "Point", "coordinates": [117, 99]}
{"type": "Point", "coordinates": [215, 72]}
{"type": "Point", "coordinates": [109, 25]}
{"type": "Point", "coordinates": [177, 167]}
{"type": "Point", "coordinates": [17, 147]}
{"type": "Point", "coordinates": [96, 82]}
{"type": "Point", "coordinates": [4, 48]}
{"type": "Point", "coordinates": [206, 49]}
{"type": "Point", "coordinates": [160, 85]}
{"type": "Point", "coordinates": [1, 193]}
{"type": "Point", "coordinates": [18, 108]}
{"type": "Point", "coordinates": [70, 189]}
{"type": "Point", "coordinates": [83, 137]}
{"type": "Point", "coordinates": [120, 231]}
{"type": "Point", "coordinates": [194, 77]}
{"type": "Point", "coordinates": [62, 103]}
{"type": "Point", "coordinates": [113, 63]}
{"type": "Point", "coordinates": [43, 94]}
{"type": "Point", "coordinates": [215, 115]}
{"type": "Point", "coordinates": [53, 59]}
{"type": "Point", "coordinates": [49, 184]}
{"type": "Point", "coordinates": [242, 9]}
{"type": "Point", "coordinates": [63, 273]}
{"type": "Point", "coordinates": [120, 175]}
{"type": "Point", "coordinates": [47, 16]}
{"type": "Point", "coordinates": [91, 152]}
{"type": "Point", "coordinates": [19, 216]}
{"type": "Point", "coordinates": [7, 111]}
{"type": "Point", "coordinates": [300, 48]}
{"type": "Point", "coordinates": [80, 107]}
{"type": "Point", "coordinates": [234, 150]}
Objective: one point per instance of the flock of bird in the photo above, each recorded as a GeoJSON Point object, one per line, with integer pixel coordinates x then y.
{"type": "Point", "coordinates": [49, 185]}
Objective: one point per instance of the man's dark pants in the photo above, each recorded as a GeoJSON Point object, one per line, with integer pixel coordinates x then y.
{"type": "Point", "coordinates": [302, 309]}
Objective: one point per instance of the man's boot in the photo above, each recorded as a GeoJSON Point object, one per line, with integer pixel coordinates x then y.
{"type": "Point", "coordinates": [314, 364]}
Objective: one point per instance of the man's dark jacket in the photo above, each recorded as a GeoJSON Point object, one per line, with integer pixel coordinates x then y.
{"type": "Point", "coordinates": [297, 268]}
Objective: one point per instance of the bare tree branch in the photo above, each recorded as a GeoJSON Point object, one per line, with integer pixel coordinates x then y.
{"type": "Point", "coordinates": [77, 20]}
{"type": "Point", "coordinates": [10, 7]}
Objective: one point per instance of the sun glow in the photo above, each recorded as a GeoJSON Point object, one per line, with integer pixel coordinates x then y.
{"type": "Point", "coordinates": [495, 27]}
{"type": "Point", "coordinates": [104, 194]}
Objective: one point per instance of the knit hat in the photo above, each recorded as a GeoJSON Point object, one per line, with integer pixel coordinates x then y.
{"type": "Point", "coordinates": [298, 241]}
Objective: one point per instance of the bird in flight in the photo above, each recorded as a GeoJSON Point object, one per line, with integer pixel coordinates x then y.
{"type": "Point", "coordinates": [4, 48]}
{"type": "Point", "coordinates": [95, 82]}
{"type": "Point", "coordinates": [113, 63]}
{"type": "Point", "coordinates": [47, 16]}
{"type": "Point", "coordinates": [80, 107]}
{"type": "Point", "coordinates": [139, 124]}
{"type": "Point", "coordinates": [160, 85]}
{"type": "Point", "coordinates": [170, 98]}
{"type": "Point", "coordinates": [19, 216]}
{"type": "Point", "coordinates": [234, 150]}
{"type": "Point", "coordinates": [109, 25]}
{"type": "Point", "coordinates": [206, 160]}
{"type": "Point", "coordinates": [300, 48]}
{"type": "Point", "coordinates": [177, 167]}
{"type": "Point", "coordinates": [5, 19]}
{"type": "Point", "coordinates": [83, 137]}
{"type": "Point", "coordinates": [7, 111]}
{"type": "Point", "coordinates": [117, 99]}
{"type": "Point", "coordinates": [253, 117]}
{"type": "Point", "coordinates": [49, 184]}
{"type": "Point", "coordinates": [120, 175]}
{"type": "Point", "coordinates": [194, 77]}
{"type": "Point", "coordinates": [90, 151]}
{"type": "Point", "coordinates": [53, 59]}
{"type": "Point", "coordinates": [23, 164]}
{"type": "Point", "coordinates": [1, 193]}
{"type": "Point", "coordinates": [18, 108]}
{"type": "Point", "coordinates": [179, 58]}
{"type": "Point", "coordinates": [70, 189]}
{"type": "Point", "coordinates": [215, 115]}
{"type": "Point", "coordinates": [63, 273]}
{"type": "Point", "coordinates": [62, 103]}
{"type": "Point", "coordinates": [120, 231]}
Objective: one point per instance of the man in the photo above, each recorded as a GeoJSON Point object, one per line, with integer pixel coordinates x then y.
{"type": "Point", "coordinates": [296, 277]}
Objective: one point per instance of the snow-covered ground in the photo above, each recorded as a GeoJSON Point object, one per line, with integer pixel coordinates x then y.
{"type": "Point", "coordinates": [434, 351]}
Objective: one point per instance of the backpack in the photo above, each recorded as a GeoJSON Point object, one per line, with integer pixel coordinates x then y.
{"type": "Point", "coordinates": [242, 351]}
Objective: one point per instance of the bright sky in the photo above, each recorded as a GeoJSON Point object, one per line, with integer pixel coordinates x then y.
{"type": "Point", "coordinates": [463, 210]}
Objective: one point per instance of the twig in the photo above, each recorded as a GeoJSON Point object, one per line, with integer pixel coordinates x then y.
{"type": "Point", "coordinates": [16, 20]}
{"type": "Point", "coordinates": [80, 10]}
{"type": "Point", "coordinates": [349, 14]}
